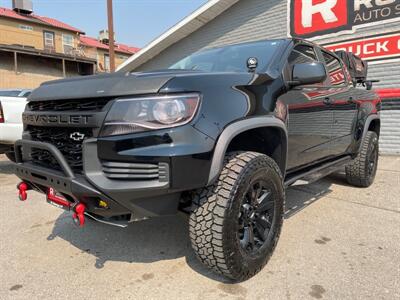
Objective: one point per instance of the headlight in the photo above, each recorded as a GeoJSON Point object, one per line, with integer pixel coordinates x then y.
{"type": "Point", "coordinates": [150, 113]}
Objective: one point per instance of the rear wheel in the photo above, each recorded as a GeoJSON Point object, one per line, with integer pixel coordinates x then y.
{"type": "Point", "coordinates": [236, 222]}
{"type": "Point", "coordinates": [361, 172]}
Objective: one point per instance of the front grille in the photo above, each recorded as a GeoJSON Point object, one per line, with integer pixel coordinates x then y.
{"type": "Point", "coordinates": [136, 171]}
{"type": "Point", "coordinates": [60, 138]}
{"type": "Point", "coordinates": [68, 105]}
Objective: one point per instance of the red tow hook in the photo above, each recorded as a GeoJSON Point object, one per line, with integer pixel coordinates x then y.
{"type": "Point", "coordinates": [79, 215]}
{"type": "Point", "coordinates": [22, 188]}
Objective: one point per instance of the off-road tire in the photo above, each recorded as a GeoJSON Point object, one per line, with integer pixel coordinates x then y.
{"type": "Point", "coordinates": [213, 223]}
{"type": "Point", "coordinates": [358, 172]}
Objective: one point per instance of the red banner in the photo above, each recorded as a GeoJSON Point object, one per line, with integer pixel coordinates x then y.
{"type": "Point", "coordinates": [316, 18]}
{"type": "Point", "coordinates": [377, 48]}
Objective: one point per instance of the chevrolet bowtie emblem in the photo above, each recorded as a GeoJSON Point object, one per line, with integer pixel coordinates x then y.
{"type": "Point", "coordinates": [77, 136]}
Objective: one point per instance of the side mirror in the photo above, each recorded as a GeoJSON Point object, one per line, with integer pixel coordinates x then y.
{"type": "Point", "coordinates": [308, 73]}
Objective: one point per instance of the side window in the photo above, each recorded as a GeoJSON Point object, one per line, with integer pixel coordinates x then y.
{"type": "Point", "coordinates": [335, 70]}
{"type": "Point", "coordinates": [302, 54]}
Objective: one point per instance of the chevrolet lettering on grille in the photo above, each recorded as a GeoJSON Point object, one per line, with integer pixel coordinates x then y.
{"type": "Point", "coordinates": [39, 119]}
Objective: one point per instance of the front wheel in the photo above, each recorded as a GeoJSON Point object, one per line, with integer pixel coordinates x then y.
{"type": "Point", "coordinates": [236, 222]}
{"type": "Point", "coordinates": [361, 172]}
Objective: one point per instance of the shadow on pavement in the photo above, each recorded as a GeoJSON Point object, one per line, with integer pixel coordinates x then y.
{"type": "Point", "coordinates": [6, 166]}
{"type": "Point", "coordinates": [301, 196]}
{"type": "Point", "coordinates": [161, 238]}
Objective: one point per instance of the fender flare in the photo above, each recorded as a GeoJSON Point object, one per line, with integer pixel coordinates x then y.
{"type": "Point", "coordinates": [368, 122]}
{"type": "Point", "coordinates": [232, 130]}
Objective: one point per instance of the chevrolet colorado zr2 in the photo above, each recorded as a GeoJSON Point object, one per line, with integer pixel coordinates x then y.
{"type": "Point", "coordinates": [219, 135]}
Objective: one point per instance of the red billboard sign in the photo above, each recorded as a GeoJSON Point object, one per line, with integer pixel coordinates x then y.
{"type": "Point", "coordinates": [372, 48]}
{"type": "Point", "coordinates": [309, 18]}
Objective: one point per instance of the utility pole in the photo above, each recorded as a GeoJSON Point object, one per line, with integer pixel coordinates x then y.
{"type": "Point", "coordinates": [111, 34]}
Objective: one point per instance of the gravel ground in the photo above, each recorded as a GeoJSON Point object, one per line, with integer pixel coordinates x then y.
{"type": "Point", "coordinates": [338, 242]}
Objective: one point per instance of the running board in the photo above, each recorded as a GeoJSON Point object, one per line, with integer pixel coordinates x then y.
{"type": "Point", "coordinates": [317, 173]}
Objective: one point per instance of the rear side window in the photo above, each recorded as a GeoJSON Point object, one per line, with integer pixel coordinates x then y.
{"type": "Point", "coordinates": [302, 54]}
{"type": "Point", "coordinates": [335, 69]}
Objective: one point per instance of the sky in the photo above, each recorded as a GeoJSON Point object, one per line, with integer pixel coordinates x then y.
{"type": "Point", "coordinates": [136, 22]}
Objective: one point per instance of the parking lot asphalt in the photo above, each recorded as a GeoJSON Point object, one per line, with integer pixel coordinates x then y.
{"type": "Point", "coordinates": [338, 242]}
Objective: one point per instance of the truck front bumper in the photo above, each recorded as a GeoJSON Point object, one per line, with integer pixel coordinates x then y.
{"type": "Point", "coordinates": [138, 198]}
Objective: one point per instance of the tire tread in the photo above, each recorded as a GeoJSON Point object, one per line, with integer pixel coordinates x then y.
{"type": "Point", "coordinates": [356, 171]}
{"type": "Point", "coordinates": [209, 208]}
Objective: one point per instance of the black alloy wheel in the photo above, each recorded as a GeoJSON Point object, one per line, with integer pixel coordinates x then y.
{"type": "Point", "coordinates": [256, 215]}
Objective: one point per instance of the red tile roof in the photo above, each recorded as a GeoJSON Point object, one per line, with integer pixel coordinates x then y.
{"type": "Point", "coordinates": [128, 48]}
{"type": "Point", "coordinates": [6, 12]}
{"type": "Point", "coordinates": [92, 42]}
{"type": "Point", "coordinates": [58, 24]}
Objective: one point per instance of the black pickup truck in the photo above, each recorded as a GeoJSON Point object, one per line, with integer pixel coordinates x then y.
{"type": "Point", "coordinates": [219, 135]}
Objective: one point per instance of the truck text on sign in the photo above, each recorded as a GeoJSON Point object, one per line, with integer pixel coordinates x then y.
{"type": "Point", "coordinates": [374, 48]}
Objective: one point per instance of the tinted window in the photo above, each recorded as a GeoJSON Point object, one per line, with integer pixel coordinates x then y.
{"type": "Point", "coordinates": [334, 68]}
{"type": "Point", "coordinates": [231, 58]}
{"type": "Point", "coordinates": [9, 93]}
{"type": "Point", "coordinates": [302, 54]}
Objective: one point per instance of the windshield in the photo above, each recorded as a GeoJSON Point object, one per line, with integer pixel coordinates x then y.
{"type": "Point", "coordinates": [10, 93]}
{"type": "Point", "coordinates": [231, 58]}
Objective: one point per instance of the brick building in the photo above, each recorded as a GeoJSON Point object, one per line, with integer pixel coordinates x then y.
{"type": "Point", "coordinates": [34, 49]}
{"type": "Point", "coordinates": [98, 49]}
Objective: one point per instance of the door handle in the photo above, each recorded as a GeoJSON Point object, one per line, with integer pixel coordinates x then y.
{"type": "Point", "coordinates": [328, 101]}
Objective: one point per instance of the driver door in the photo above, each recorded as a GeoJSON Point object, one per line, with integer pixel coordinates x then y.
{"type": "Point", "coordinates": [310, 118]}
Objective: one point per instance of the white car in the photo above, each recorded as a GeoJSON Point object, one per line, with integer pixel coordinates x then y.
{"type": "Point", "coordinates": [12, 105]}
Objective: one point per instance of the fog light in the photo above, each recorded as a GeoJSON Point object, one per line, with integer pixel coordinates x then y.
{"type": "Point", "coordinates": [103, 204]}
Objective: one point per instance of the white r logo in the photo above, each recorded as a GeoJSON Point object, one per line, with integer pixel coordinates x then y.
{"type": "Point", "coordinates": [324, 8]}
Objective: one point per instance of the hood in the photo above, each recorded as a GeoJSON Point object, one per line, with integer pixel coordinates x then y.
{"type": "Point", "coordinates": [128, 84]}
{"type": "Point", "coordinates": [105, 85]}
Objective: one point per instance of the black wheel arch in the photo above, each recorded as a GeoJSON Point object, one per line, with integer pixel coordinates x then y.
{"type": "Point", "coordinates": [267, 135]}
{"type": "Point", "coordinates": [372, 123]}
{"type": "Point", "coordinates": [375, 125]}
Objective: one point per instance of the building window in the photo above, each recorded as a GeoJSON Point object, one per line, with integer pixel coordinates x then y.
{"type": "Point", "coordinates": [106, 62]}
{"type": "Point", "coordinates": [68, 43]}
{"type": "Point", "coordinates": [48, 38]}
{"type": "Point", "coordinates": [25, 27]}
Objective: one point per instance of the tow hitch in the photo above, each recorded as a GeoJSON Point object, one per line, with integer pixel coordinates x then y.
{"type": "Point", "coordinates": [58, 200]}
